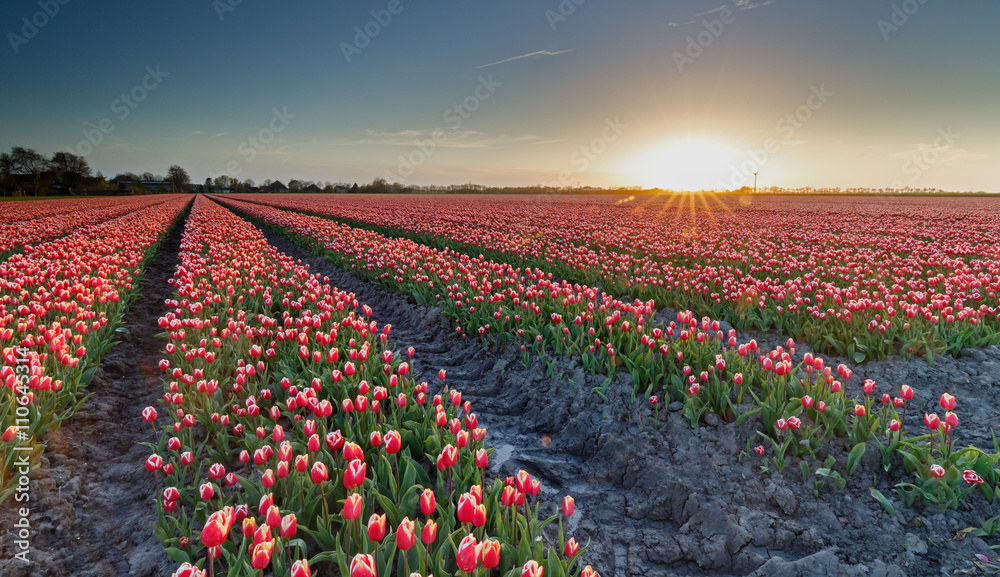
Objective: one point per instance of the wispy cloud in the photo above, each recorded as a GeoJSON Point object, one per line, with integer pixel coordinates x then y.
{"type": "Point", "coordinates": [749, 5]}
{"type": "Point", "coordinates": [712, 11]}
{"type": "Point", "coordinates": [218, 135]}
{"type": "Point", "coordinates": [535, 54]}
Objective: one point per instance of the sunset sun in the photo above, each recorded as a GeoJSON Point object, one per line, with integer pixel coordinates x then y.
{"type": "Point", "coordinates": [688, 163]}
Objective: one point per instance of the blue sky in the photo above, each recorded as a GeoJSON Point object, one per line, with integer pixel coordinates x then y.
{"type": "Point", "coordinates": [682, 94]}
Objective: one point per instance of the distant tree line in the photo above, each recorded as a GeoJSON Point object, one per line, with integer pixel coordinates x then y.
{"type": "Point", "coordinates": [26, 172]}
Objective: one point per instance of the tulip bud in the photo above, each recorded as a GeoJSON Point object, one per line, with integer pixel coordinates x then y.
{"type": "Point", "coordinates": [376, 527]}
{"type": "Point", "coordinates": [467, 556]}
{"type": "Point", "coordinates": [261, 556]}
{"type": "Point", "coordinates": [352, 506]}
{"type": "Point", "coordinates": [362, 566]}
{"type": "Point", "coordinates": [406, 534]}
{"type": "Point", "coordinates": [571, 548]}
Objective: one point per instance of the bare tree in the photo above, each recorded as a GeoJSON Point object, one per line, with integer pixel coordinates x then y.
{"type": "Point", "coordinates": [223, 182]}
{"type": "Point", "coordinates": [69, 168]}
{"type": "Point", "coordinates": [178, 178]}
{"type": "Point", "coordinates": [28, 161]}
{"type": "Point", "coordinates": [7, 173]}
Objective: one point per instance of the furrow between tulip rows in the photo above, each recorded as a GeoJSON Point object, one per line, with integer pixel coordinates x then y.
{"type": "Point", "coordinates": [853, 277]}
{"type": "Point", "coordinates": [802, 408]}
{"type": "Point", "coordinates": [24, 230]}
{"type": "Point", "coordinates": [291, 421]}
{"type": "Point", "coordinates": [60, 307]}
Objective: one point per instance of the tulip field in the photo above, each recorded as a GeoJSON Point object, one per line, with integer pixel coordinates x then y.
{"type": "Point", "coordinates": [857, 277]}
{"type": "Point", "coordinates": [62, 303]}
{"type": "Point", "coordinates": [366, 386]}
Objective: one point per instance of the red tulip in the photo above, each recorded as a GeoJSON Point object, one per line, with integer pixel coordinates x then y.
{"type": "Point", "coordinates": [447, 458]}
{"type": "Point", "coordinates": [289, 526]}
{"type": "Point", "coordinates": [363, 566]}
{"type": "Point", "coordinates": [149, 414]}
{"type": "Point", "coordinates": [429, 534]}
{"type": "Point", "coordinates": [532, 569]}
{"type": "Point", "coordinates": [568, 506]}
{"type": "Point", "coordinates": [217, 527]}
{"type": "Point", "coordinates": [318, 473]}
{"type": "Point", "coordinates": [467, 557]}
{"type": "Point", "coordinates": [352, 506]}
{"type": "Point", "coordinates": [482, 458]}
{"type": "Point", "coordinates": [376, 527]}
{"type": "Point", "coordinates": [261, 555]}
{"type": "Point", "coordinates": [571, 548]}
{"type": "Point", "coordinates": [301, 569]}
{"type": "Point", "coordinates": [937, 471]}
{"type": "Point", "coordinates": [273, 517]}
{"type": "Point", "coordinates": [971, 477]}
{"type": "Point", "coordinates": [189, 570]}
{"type": "Point", "coordinates": [932, 421]}
{"type": "Point", "coordinates": [405, 534]}
{"type": "Point", "coordinates": [947, 402]}
{"type": "Point", "coordinates": [249, 527]}
{"type": "Point", "coordinates": [479, 516]}
{"type": "Point", "coordinates": [153, 463]}
{"type": "Point", "coordinates": [427, 502]}
{"type": "Point", "coordinates": [393, 442]}
{"type": "Point", "coordinates": [466, 508]}
{"type": "Point", "coordinates": [490, 554]}
{"type": "Point", "coordinates": [354, 474]}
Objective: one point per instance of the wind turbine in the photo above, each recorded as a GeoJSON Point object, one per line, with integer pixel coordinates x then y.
{"type": "Point", "coordinates": [755, 182]}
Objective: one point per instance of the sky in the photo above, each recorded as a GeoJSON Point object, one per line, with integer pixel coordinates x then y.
{"type": "Point", "coordinates": [685, 94]}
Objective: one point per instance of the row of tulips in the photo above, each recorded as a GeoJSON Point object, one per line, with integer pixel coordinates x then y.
{"type": "Point", "coordinates": [293, 435]}
{"type": "Point", "coordinates": [60, 306]}
{"type": "Point", "coordinates": [799, 405]}
{"type": "Point", "coordinates": [25, 224]}
{"type": "Point", "coordinates": [856, 277]}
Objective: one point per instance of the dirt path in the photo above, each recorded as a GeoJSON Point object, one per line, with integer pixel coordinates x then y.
{"type": "Point", "coordinates": [672, 501]}
{"type": "Point", "coordinates": [91, 499]}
